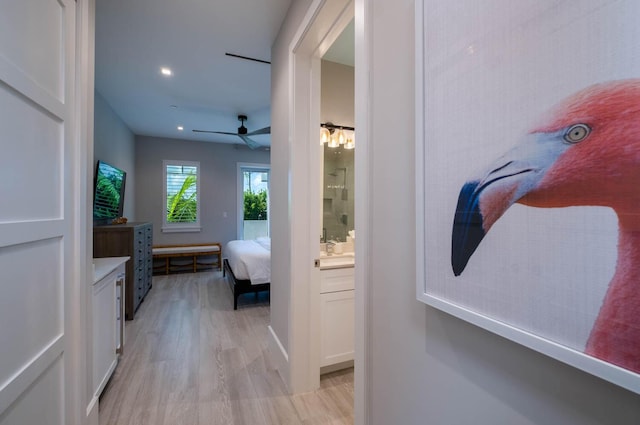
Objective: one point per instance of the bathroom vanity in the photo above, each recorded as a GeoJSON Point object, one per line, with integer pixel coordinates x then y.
{"type": "Point", "coordinates": [337, 314]}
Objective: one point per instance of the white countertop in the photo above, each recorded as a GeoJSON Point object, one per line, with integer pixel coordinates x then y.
{"type": "Point", "coordinates": [104, 266]}
{"type": "Point", "coordinates": [337, 261]}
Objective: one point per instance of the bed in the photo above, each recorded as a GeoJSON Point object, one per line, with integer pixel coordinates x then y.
{"type": "Point", "coordinates": [247, 266]}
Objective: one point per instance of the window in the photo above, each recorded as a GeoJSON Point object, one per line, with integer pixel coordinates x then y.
{"type": "Point", "coordinates": [253, 185]}
{"type": "Point", "coordinates": [181, 200]}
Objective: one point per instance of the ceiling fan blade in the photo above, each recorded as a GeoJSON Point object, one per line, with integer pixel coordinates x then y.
{"type": "Point", "coordinates": [251, 143]}
{"type": "Point", "coordinates": [266, 130]}
{"type": "Point", "coordinates": [216, 132]}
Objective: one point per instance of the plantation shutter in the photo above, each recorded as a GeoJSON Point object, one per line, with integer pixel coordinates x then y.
{"type": "Point", "coordinates": [182, 193]}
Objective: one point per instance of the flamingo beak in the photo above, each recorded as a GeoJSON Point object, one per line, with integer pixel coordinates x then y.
{"type": "Point", "coordinates": [483, 201]}
{"type": "Point", "coordinates": [468, 230]}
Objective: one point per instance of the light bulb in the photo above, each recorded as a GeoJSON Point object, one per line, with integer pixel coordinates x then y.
{"type": "Point", "coordinates": [325, 135]}
{"type": "Point", "coordinates": [349, 144]}
{"type": "Point", "coordinates": [341, 138]}
{"type": "Point", "coordinates": [333, 141]}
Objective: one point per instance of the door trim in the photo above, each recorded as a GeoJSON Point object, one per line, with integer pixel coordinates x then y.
{"type": "Point", "coordinates": [322, 24]}
{"type": "Point", "coordinates": [363, 206]}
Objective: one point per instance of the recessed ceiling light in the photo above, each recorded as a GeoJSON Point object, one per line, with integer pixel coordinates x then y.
{"type": "Point", "coordinates": [166, 71]}
{"type": "Point", "coordinates": [180, 128]}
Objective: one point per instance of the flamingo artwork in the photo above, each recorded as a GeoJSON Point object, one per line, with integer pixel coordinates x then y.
{"type": "Point", "coordinates": [585, 152]}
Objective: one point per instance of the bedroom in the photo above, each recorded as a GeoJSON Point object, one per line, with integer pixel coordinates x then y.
{"type": "Point", "coordinates": [116, 143]}
{"type": "Point", "coordinates": [142, 158]}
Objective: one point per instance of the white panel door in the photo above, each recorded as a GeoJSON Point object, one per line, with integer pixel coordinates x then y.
{"type": "Point", "coordinates": [37, 61]}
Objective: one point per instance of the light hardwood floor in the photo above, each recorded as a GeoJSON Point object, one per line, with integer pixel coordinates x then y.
{"type": "Point", "coordinates": [191, 359]}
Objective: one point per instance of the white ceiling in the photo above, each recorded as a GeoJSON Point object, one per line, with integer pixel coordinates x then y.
{"type": "Point", "coordinates": [134, 38]}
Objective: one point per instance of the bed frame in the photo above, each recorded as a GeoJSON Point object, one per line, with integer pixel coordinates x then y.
{"type": "Point", "coordinates": [239, 287]}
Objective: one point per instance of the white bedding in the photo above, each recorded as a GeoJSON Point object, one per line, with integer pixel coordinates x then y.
{"type": "Point", "coordinates": [250, 259]}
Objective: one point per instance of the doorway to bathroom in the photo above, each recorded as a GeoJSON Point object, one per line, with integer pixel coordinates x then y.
{"type": "Point", "coordinates": [337, 116]}
{"type": "Point", "coordinates": [300, 358]}
{"type": "Point", "coordinates": [336, 252]}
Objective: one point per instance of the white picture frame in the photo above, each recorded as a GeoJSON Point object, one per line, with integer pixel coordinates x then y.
{"type": "Point", "coordinates": [488, 48]}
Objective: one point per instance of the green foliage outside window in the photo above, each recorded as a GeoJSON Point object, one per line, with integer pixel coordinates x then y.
{"type": "Point", "coordinates": [182, 207]}
{"type": "Point", "coordinates": [255, 205]}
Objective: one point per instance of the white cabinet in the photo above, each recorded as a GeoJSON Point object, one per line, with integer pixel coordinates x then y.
{"type": "Point", "coordinates": [107, 323]}
{"type": "Point", "coordinates": [336, 279]}
{"type": "Point", "coordinates": [337, 315]}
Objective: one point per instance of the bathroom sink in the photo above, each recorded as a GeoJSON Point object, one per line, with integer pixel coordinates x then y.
{"type": "Point", "coordinates": [336, 260]}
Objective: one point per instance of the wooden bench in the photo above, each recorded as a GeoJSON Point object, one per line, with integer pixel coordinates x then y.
{"type": "Point", "coordinates": [194, 251]}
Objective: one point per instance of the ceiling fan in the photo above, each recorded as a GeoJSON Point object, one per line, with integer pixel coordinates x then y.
{"type": "Point", "coordinates": [242, 133]}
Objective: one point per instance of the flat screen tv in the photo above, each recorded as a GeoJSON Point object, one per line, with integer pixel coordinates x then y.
{"type": "Point", "coordinates": [108, 196]}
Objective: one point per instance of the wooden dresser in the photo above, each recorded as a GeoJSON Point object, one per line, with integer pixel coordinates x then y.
{"type": "Point", "coordinates": [134, 240]}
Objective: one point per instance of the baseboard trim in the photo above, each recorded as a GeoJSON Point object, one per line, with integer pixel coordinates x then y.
{"type": "Point", "coordinates": [279, 357]}
{"type": "Point", "coordinates": [336, 367]}
{"type": "Point", "coordinates": [92, 411]}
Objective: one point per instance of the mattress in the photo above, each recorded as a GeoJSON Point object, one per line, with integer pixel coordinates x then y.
{"type": "Point", "coordinates": [250, 259]}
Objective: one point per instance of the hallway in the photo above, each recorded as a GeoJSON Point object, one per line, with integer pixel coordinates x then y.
{"type": "Point", "coordinates": [190, 359]}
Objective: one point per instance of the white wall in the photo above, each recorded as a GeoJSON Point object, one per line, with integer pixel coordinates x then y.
{"type": "Point", "coordinates": [218, 185]}
{"type": "Point", "coordinates": [426, 367]}
{"type": "Point", "coordinates": [337, 91]}
{"type": "Point", "coordinates": [114, 143]}
{"type": "Point", "coordinates": [280, 174]}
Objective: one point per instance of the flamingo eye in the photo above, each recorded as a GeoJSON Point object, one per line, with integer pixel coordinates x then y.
{"type": "Point", "coordinates": [577, 133]}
